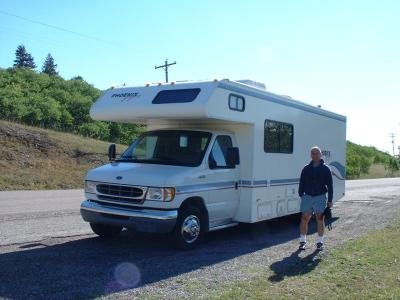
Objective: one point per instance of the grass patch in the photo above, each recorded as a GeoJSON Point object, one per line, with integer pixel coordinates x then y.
{"type": "Point", "coordinates": [379, 171]}
{"type": "Point", "coordinates": [33, 158]}
{"type": "Point", "coordinates": [366, 268]}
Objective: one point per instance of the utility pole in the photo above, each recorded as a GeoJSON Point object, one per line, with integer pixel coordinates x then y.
{"type": "Point", "coordinates": [165, 67]}
{"type": "Point", "coordinates": [398, 147]}
{"type": "Point", "coordinates": [392, 135]}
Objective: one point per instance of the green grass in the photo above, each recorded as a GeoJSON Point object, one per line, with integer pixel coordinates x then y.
{"type": "Point", "coordinates": [33, 158]}
{"type": "Point", "coordinates": [379, 171]}
{"type": "Point", "coordinates": [366, 268]}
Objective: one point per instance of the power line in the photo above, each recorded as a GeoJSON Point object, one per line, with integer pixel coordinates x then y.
{"type": "Point", "coordinates": [56, 27]}
{"type": "Point", "coordinates": [44, 40]}
{"type": "Point", "coordinates": [31, 36]}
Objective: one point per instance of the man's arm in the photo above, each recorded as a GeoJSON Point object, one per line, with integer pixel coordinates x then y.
{"type": "Point", "coordinates": [329, 185]}
{"type": "Point", "coordinates": [301, 184]}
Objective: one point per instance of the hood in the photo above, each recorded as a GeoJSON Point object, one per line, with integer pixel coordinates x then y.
{"type": "Point", "coordinates": [322, 162]}
{"type": "Point", "coordinates": [140, 174]}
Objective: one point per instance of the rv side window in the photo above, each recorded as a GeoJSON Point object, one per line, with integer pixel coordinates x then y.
{"type": "Point", "coordinates": [219, 151]}
{"type": "Point", "coordinates": [176, 96]}
{"type": "Point", "coordinates": [236, 102]}
{"type": "Point", "coordinates": [278, 137]}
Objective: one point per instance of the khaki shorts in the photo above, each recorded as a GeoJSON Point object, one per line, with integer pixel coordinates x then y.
{"type": "Point", "coordinates": [316, 204]}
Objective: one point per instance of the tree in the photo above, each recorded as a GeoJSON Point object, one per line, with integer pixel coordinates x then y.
{"type": "Point", "coordinates": [392, 165]}
{"type": "Point", "coordinates": [77, 78]}
{"type": "Point", "coordinates": [365, 164]}
{"type": "Point", "coordinates": [49, 67]}
{"type": "Point", "coordinates": [115, 132]}
{"type": "Point", "coordinates": [37, 99]}
{"type": "Point", "coordinates": [98, 130]}
{"type": "Point", "coordinates": [23, 59]}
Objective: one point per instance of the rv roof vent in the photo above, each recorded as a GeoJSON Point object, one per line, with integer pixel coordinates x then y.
{"type": "Point", "coordinates": [253, 83]}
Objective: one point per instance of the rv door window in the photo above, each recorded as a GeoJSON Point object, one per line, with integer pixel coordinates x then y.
{"type": "Point", "coordinates": [176, 96]}
{"type": "Point", "coordinates": [236, 102]}
{"type": "Point", "coordinates": [278, 137]}
{"type": "Point", "coordinates": [219, 151]}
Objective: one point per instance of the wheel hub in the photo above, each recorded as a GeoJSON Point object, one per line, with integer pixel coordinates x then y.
{"type": "Point", "coordinates": [190, 228]}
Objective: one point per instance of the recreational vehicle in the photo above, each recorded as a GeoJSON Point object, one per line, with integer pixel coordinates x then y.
{"type": "Point", "coordinates": [215, 154]}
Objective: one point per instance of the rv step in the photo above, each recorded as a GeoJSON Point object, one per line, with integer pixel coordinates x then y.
{"type": "Point", "coordinates": [223, 226]}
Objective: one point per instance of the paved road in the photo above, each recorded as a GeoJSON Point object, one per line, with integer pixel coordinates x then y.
{"type": "Point", "coordinates": [47, 251]}
{"type": "Point", "coordinates": [28, 216]}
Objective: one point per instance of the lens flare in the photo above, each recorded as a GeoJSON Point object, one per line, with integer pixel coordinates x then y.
{"type": "Point", "coordinates": [127, 275]}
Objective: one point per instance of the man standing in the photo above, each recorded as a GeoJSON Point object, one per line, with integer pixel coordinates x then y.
{"type": "Point", "coordinates": [315, 182]}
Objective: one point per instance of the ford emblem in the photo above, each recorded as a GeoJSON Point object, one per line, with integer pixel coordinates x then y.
{"type": "Point", "coordinates": [119, 177]}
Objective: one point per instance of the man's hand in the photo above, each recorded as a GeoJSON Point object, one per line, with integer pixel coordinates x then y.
{"type": "Point", "coordinates": [330, 204]}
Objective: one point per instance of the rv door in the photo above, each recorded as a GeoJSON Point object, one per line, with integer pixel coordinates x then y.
{"type": "Point", "coordinates": [224, 177]}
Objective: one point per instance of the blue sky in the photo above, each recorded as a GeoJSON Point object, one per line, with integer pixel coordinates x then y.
{"type": "Point", "coordinates": [343, 55]}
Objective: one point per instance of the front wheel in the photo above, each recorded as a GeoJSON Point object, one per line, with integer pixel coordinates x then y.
{"type": "Point", "coordinates": [105, 231]}
{"type": "Point", "coordinates": [189, 228]}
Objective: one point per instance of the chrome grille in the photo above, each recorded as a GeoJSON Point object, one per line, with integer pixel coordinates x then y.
{"type": "Point", "coordinates": [120, 191]}
{"type": "Point", "coordinates": [112, 199]}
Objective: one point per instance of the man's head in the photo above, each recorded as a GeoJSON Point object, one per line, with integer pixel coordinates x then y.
{"type": "Point", "coordinates": [316, 154]}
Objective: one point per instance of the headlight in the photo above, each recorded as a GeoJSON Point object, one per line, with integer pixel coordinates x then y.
{"type": "Point", "coordinates": [90, 187]}
{"type": "Point", "coordinates": [160, 194]}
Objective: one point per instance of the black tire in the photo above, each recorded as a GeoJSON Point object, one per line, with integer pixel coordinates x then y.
{"type": "Point", "coordinates": [106, 231]}
{"type": "Point", "coordinates": [193, 220]}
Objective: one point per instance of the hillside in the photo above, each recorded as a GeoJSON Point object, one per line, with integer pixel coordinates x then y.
{"type": "Point", "coordinates": [369, 162]}
{"type": "Point", "coordinates": [34, 158]}
{"type": "Point", "coordinates": [38, 99]}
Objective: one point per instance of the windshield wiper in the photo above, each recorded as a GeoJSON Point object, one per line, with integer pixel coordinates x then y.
{"type": "Point", "coordinates": [127, 159]}
{"type": "Point", "coordinates": [159, 160]}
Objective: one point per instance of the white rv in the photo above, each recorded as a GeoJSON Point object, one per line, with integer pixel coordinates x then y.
{"type": "Point", "coordinates": [216, 153]}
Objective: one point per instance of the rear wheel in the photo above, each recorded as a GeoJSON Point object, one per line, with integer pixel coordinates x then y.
{"type": "Point", "coordinates": [189, 228]}
{"type": "Point", "coordinates": [106, 231]}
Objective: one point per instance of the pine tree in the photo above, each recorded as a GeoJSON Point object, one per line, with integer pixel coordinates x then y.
{"type": "Point", "coordinates": [20, 56]}
{"type": "Point", "coordinates": [29, 62]}
{"type": "Point", "coordinates": [49, 67]}
{"type": "Point", "coordinates": [23, 59]}
{"type": "Point", "coordinates": [79, 77]}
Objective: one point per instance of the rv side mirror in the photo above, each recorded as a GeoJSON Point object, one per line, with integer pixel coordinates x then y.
{"type": "Point", "coordinates": [111, 152]}
{"type": "Point", "coordinates": [212, 164]}
{"type": "Point", "coordinates": [232, 156]}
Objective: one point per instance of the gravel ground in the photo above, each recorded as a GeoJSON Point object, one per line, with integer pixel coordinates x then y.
{"type": "Point", "coordinates": [46, 251]}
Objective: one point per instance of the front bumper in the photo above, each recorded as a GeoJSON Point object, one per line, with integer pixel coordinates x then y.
{"type": "Point", "coordinates": [146, 220]}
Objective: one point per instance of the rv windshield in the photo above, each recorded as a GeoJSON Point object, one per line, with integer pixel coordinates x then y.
{"type": "Point", "coordinates": [168, 147]}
